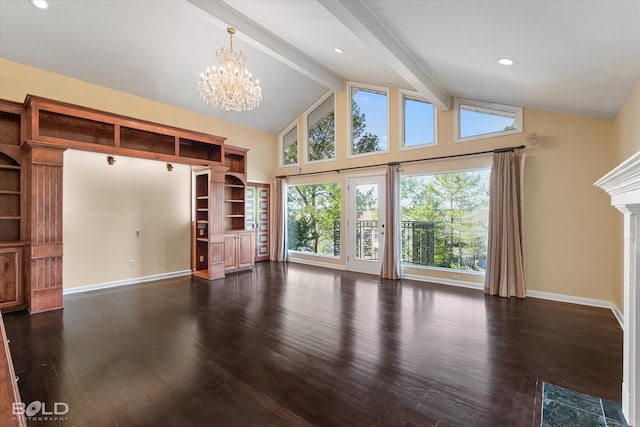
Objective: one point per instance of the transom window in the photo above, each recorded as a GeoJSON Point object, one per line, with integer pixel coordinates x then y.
{"type": "Point", "coordinates": [479, 119]}
{"type": "Point", "coordinates": [418, 125]}
{"type": "Point", "coordinates": [289, 146]}
{"type": "Point", "coordinates": [368, 119]}
{"type": "Point", "coordinates": [321, 131]}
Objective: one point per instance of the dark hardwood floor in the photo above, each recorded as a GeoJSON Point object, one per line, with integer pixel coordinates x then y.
{"type": "Point", "coordinates": [299, 345]}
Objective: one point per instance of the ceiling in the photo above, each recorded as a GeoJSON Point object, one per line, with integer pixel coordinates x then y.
{"type": "Point", "coordinates": [577, 57]}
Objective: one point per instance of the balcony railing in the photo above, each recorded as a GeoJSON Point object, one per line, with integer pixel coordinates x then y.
{"type": "Point", "coordinates": [417, 241]}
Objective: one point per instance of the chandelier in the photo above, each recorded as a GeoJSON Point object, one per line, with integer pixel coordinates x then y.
{"type": "Point", "coordinates": [230, 85]}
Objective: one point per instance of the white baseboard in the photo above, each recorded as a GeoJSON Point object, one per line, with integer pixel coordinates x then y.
{"type": "Point", "coordinates": [125, 282]}
{"type": "Point", "coordinates": [442, 281]}
{"type": "Point", "coordinates": [316, 263]}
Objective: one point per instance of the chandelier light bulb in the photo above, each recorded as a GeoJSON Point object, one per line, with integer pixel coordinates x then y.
{"type": "Point", "coordinates": [231, 87]}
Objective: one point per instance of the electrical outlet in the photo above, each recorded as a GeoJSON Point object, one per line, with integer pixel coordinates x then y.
{"type": "Point", "coordinates": [137, 233]}
{"type": "Point", "coordinates": [455, 277]}
{"type": "Point", "coordinates": [132, 263]}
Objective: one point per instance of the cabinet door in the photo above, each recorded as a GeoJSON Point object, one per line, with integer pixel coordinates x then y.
{"type": "Point", "coordinates": [10, 278]}
{"type": "Point", "coordinates": [245, 249]}
{"type": "Point", "coordinates": [230, 251]}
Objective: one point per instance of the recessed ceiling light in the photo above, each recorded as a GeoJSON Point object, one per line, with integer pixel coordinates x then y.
{"type": "Point", "coordinates": [338, 50]}
{"type": "Point", "coordinates": [40, 4]}
{"type": "Point", "coordinates": [506, 61]}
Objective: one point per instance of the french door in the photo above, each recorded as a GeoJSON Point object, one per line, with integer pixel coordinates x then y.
{"type": "Point", "coordinates": [365, 223]}
{"type": "Point", "coordinates": [257, 200]}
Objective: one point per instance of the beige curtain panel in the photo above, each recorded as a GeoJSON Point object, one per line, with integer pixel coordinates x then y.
{"type": "Point", "coordinates": [391, 258]}
{"type": "Point", "coordinates": [278, 250]}
{"type": "Point", "coordinates": [505, 258]}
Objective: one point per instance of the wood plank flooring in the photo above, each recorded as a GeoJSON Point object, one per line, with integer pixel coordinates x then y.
{"type": "Point", "coordinates": [299, 345]}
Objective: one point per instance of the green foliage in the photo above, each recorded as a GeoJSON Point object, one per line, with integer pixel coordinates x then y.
{"type": "Point", "coordinates": [512, 126]}
{"type": "Point", "coordinates": [321, 139]}
{"type": "Point", "coordinates": [451, 201]}
{"type": "Point", "coordinates": [312, 211]}
{"type": "Point", "coordinates": [366, 202]}
{"type": "Point", "coordinates": [291, 154]}
{"type": "Point", "coordinates": [362, 142]}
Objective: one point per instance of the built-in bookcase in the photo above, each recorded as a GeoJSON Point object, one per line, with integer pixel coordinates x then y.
{"type": "Point", "coordinates": [11, 213]}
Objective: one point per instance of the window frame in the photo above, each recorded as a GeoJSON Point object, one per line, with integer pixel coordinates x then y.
{"type": "Point", "coordinates": [415, 96]}
{"type": "Point", "coordinates": [305, 126]}
{"type": "Point", "coordinates": [281, 144]}
{"type": "Point", "coordinates": [490, 106]}
{"type": "Point", "coordinates": [370, 88]}
{"type": "Point", "coordinates": [313, 254]}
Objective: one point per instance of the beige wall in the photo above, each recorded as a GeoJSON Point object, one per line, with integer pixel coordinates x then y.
{"type": "Point", "coordinates": [568, 222]}
{"type": "Point", "coordinates": [104, 205]}
{"type": "Point", "coordinates": [626, 142]}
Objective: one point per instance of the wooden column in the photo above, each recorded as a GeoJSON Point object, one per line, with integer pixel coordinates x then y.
{"type": "Point", "coordinates": [42, 204]}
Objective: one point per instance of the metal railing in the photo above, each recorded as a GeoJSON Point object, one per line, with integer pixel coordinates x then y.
{"type": "Point", "coordinates": [417, 237]}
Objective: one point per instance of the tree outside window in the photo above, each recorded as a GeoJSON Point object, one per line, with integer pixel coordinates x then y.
{"type": "Point", "coordinates": [313, 213]}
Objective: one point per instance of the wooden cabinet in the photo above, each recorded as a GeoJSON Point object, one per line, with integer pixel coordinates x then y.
{"type": "Point", "coordinates": [11, 288]}
{"type": "Point", "coordinates": [239, 250]}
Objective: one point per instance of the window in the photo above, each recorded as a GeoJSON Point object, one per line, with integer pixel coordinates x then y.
{"type": "Point", "coordinates": [321, 130]}
{"type": "Point", "coordinates": [478, 119]}
{"type": "Point", "coordinates": [313, 218]}
{"type": "Point", "coordinates": [368, 119]}
{"type": "Point", "coordinates": [289, 146]}
{"type": "Point", "coordinates": [444, 220]}
{"type": "Point", "coordinates": [418, 126]}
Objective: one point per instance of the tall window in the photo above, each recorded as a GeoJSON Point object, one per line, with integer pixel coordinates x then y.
{"type": "Point", "coordinates": [289, 146]}
{"type": "Point", "coordinates": [445, 218]}
{"type": "Point", "coordinates": [321, 130]}
{"type": "Point", "coordinates": [478, 119]}
{"type": "Point", "coordinates": [418, 122]}
{"type": "Point", "coordinates": [313, 218]}
{"type": "Point", "coordinates": [369, 120]}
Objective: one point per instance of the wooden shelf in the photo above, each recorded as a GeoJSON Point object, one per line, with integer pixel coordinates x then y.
{"type": "Point", "coordinates": [234, 201]}
{"type": "Point", "coordinates": [9, 217]}
{"type": "Point", "coordinates": [10, 167]}
{"type": "Point", "coordinates": [9, 192]}
{"type": "Point", "coordinates": [71, 126]}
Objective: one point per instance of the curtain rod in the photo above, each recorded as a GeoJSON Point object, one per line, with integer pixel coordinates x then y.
{"type": "Point", "coordinates": [452, 156]}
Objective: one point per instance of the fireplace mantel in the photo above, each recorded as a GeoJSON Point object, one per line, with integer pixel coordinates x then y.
{"type": "Point", "coordinates": [623, 185]}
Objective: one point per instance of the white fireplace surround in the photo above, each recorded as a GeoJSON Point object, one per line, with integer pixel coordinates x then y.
{"type": "Point", "coordinates": [623, 185]}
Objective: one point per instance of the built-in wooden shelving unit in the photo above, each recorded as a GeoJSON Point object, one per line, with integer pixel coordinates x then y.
{"type": "Point", "coordinates": [33, 138]}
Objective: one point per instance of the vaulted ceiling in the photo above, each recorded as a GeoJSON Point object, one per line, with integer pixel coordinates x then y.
{"type": "Point", "coordinates": [577, 57]}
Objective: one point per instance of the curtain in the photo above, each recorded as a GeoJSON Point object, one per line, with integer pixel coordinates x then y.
{"type": "Point", "coordinates": [278, 250]}
{"type": "Point", "coordinates": [391, 259]}
{"type": "Point", "coordinates": [505, 256]}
